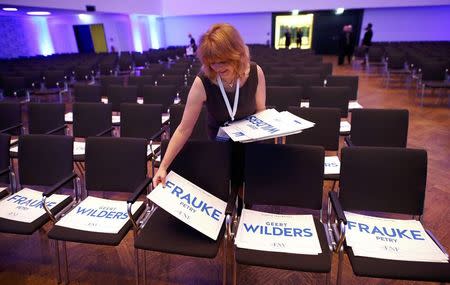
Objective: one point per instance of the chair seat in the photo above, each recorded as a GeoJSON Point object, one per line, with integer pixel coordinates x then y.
{"type": "Point", "coordinates": [333, 177]}
{"type": "Point", "coordinates": [395, 269]}
{"type": "Point", "coordinates": [165, 233]}
{"type": "Point", "coordinates": [14, 227]}
{"type": "Point", "coordinates": [74, 235]}
{"type": "Point", "coordinates": [299, 262]}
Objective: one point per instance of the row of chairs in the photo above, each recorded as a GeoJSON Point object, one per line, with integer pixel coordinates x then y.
{"type": "Point", "coordinates": [367, 174]}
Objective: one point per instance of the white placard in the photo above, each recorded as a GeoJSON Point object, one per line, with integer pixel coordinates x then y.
{"type": "Point", "coordinates": [115, 119]}
{"type": "Point", "coordinates": [68, 117]}
{"type": "Point", "coordinates": [345, 127]}
{"type": "Point", "coordinates": [304, 104]}
{"type": "Point", "coordinates": [190, 204]}
{"type": "Point", "coordinates": [165, 118]}
{"type": "Point", "coordinates": [391, 239]}
{"type": "Point", "coordinates": [14, 148]}
{"type": "Point", "coordinates": [13, 141]}
{"type": "Point", "coordinates": [279, 233]}
{"type": "Point", "coordinates": [98, 215]}
{"type": "Point", "coordinates": [154, 147]}
{"type": "Point", "coordinates": [332, 165]}
{"type": "Point", "coordinates": [26, 205]}
{"type": "Point", "coordinates": [354, 105]}
{"type": "Point", "coordinates": [79, 148]}
{"type": "Point", "coordinates": [265, 125]}
{"type": "Point", "coordinates": [140, 100]}
{"type": "Point", "coordinates": [104, 100]}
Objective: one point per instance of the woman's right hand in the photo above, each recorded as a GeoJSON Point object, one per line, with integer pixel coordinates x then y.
{"type": "Point", "coordinates": [160, 177]}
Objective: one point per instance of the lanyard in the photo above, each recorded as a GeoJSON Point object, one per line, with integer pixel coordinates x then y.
{"type": "Point", "coordinates": [232, 113]}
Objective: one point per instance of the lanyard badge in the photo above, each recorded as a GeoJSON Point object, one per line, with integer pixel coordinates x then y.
{"type": "Point", "coordinates": [231, 112]}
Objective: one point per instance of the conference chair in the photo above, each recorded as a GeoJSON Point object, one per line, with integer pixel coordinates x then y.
{"type": "Point", "coordinates": [107, 68]}
{"type": "Point", "coordinates": [46, 118]}
{"type": "Point", "coordinates": [83, 73]}
{"type": "Point", "coordinates": [330, 97]}
{"type": "Point", "coordinates": [296, 182]}
{"type": "Point", "coordinates": [7, 177]}
{"type": "Point", "coordinates": [164, 80]}
{"type": "Point", "coordinates": [106, 81]}
{"type": "Point", "coordinates": [15, 86]}
{"type": "Point", "coordinates": [379, 127]}
{"type": "Point", "coordinates": [163, 95]}
{"type": "Point", "coordinates": [113, 165]}
{"type": "Point", "coordinates": [121, 94]}
{"type": "Point", "coordinates": [283, 96]}
{"type": "Point", "coordinates": [164, 232]}
{"type": "Point", "coordinates": [11, 118]}
{"type": "Point", "coordinates": [305, 80]}
{"type": "Point", "coordinates": [344, 81]}
{"type": "Point", "coordinates": [433, 75]}
{"type": "Point", "coordinates": [87, 93]}
{"type": "Point", "coordinates": [200, 131]}
{"type": "Point", "coordinates": [54, 79]}
{"type": "Point", "coordinates": [140, 82]}
{"type": "Point", "coordinates": [368, 176]}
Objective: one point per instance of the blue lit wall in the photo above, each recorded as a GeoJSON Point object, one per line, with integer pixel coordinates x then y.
{"type": "Point", "coordinates": [44, 40]}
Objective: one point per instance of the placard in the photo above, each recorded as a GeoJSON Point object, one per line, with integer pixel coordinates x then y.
{"type": "Point", "coordinates": [98, 215]}
{"type": "Point", "coordinates": [26, 205]}
{"type": "Point", "coordinates": [332, 165]}
{"type": "Point", "coordinates": [277, 233]}
{"type": "Point", "coordinates": [345, 127]}
{"type": "Point", "coordinates": [265, 125]}
{"type": "Point", "coordinates": [155, 146]}
{"type": "Point", "coordinates": [79, 148]}
{"type": "Point", "coordinates": [391, 239]}
{"type": "Point", "coordinates": [354, 105]}
{"type": "Point", "coordinates": [190, 204]}
{"type": "Point", "coordinates": [68, 117]}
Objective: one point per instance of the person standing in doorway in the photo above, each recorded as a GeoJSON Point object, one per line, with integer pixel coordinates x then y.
{"type": "Point", "coordinates": [367, 40]}
{"type": "Point", "coordinates": [287, 36]}
{"type": "Point", "coordinates": [346, 44]}
{"type": "Point", "coordinates": [299, 37]}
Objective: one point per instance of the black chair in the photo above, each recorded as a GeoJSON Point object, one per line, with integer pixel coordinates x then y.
{"type": "Point", "coordinates": [305, 80]}
{"type": "Point", "coordinates": [344, 81]}
{"type": "Point", "coordinates": [46, 118]}
{"type": "Point", "coordinates": [379, 127]}
{"type": "Point", "coordinates": [87, 93]}
{"type": "Point", "coordinates": [177, 80]}
{"type": "Point", "coordinates": [121, 94]}
{"type": "Point", "coordinates": [368, 176]}
{"type": "Point", "coordinates": [107, 68]}
{"type": "Point", "coordinates": [112, 165]}
{"type": "Point", "coordinates": [7, 177]}
{"type": "Point", "coordinates": [106, 81]}
{"type": "Point", "coordinates": [433, 75]}
{"type": "Point", "coordinates": [140, 81]}
{"type": "Point", "coordinates": [54, 79]}
{"type": "Point", "coordinates": [163, 95]}
{"type": "Point", "coordinates": [15, 86]}
{"type": "Point", "coordinates": [395, 64]}
{"type": "Point", "coordinates": [283, 96]}
{"type": "Point", "coordinates": [164, 232]}
{"type": "Point", "coordinates": [296, 183]}
{"type": "Point", "coordinates": [200, 131]}
{"type": "Point", "coordinates": [330, 97]}
{"type": "Point", "coordinates": [11, 118]}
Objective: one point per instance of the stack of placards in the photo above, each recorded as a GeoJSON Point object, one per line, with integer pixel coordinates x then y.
{"type": "Point", "coordinates": [391, 239]}
{"type": "Point", "coordinates": [190, 204]}
{"type": "Point", "coordinates": [26, 205]}
{"type": "Point", "coordinates": [277, 233]}
{"type": "Point", "coordinates": [264, 125]}
{"type": "Point", "coordinates": [98, 215]}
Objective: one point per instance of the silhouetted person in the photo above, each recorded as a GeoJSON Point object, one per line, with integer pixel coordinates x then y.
{"type": "Point", "coordinates": [367, 40]}
{"type": "Point", "coordinates": [287, 34]}
{"type": "Point", "coordinates": [346, 44]}
{"type": "Point", "coordinates": [299, 37]}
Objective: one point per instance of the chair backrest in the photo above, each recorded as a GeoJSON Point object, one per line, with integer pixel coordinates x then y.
{"type": "Point", "coordinates": [5, 140]}
{"type": "Point", "coordinates": [44, 159]}
{"type": "Point", "coordinates": [379, 127]}
{"type": "Point", "coordinates": [44, 117]}
{"type": "Point", "coordinates": [140, 120]}
{"type": "Point", "coordinates": [383, 179]}
{"type": "Point", "coordinates": [283, 96]}
{"type": "Point", "coordinates": [325, 132]}
{"type": "Point", "coordinates": [200, 131]}
{"type": "Point", "coordinates": [330, 97]}
{"type": "Point", "coordinates": [10, 115]}
{"type": "Point", "coordinates": [206, 164]}
{"type": "Point", "coordinates": [163, 95]}
{"type": "Point", "coordinates": [54, 78]}
{"type": "Point", "coordinates": [140, 81]}
{"type": "Point", "coordinates": [115, 164]}
{"type": "Point", "coordinates": [305, 80]}
{"type": "Point", "coordinates": [434, 71]}
{"type": "Point", "coordinates": [106, 81]}
{"type": "Point", "coordinates": [89, 119]}
{"type": "Point", "coordinates": [14, 85]}
{"type": "Point", "coordinates": [177, 80]}
{"type": "Point", "coordinates": [121, 94]}
{"type": "Point", "coordinates": [345, 81]}
{"type": "Point", "coordinates": [87, 93]}
{"type": "Point", "coordinates": [297, 179]}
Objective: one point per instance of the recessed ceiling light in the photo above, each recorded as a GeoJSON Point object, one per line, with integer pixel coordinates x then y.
{"type": "Point", "coordinates": [10, 9]}
{"type": "Point", "coordinates": [38, 13]}
{"type": "Point", "coordinates": [339, 11]}
{"type": "Point", "coordinates": [295, 12]}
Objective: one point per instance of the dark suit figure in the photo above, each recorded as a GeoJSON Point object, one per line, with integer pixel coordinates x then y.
{"type": "Point", "coordinates": [346, 44]}
{"type": "Point", "coordinates": [367, 40]}
{"type": "Point", "coordinates": [299, 37]}
{"type": "Point", "coordinates": [287, 34]}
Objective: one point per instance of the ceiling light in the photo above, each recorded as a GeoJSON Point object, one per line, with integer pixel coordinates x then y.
{"type": "Point", "coordinates": [339, 11]}
{"type": "Point", "coordinates": [295, 12]}
{"type": "Point", "coordinates": [10, 9]}
{"type": "Point", "coordinates": [38, 13]}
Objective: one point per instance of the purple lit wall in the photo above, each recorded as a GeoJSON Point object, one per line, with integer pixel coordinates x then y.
{"type": "Point", "coordinates": [409, 23]}
{"type": "Point", "coordinates": [18, 37]}
{"type": "Point", "coordinates": [252, 26]}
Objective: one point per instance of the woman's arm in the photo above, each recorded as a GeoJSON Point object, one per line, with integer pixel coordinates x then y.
{"type": "Point", "coordinates": [194, 104]}
{"type": "Point", "coordinates": [260, 91]}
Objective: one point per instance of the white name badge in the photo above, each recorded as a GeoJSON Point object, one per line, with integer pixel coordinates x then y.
{"type": "Point", "coordinates": [391, 239]}
{"type": "Point", "coordinates": [265, 125]}
{"type": "Point", "coordinates": [278, 233]}
{"type": "Point", "coordinates": [190, 204]}
{"type": "Point", "coordinates": [345, 127]}
{"type": "Point", "coordinates": [332, 165]}
{"type": "Point", "coordinates": [98, 215]}
{"type": "Point", "coordinates": [68, 117]}
{"type": "Point", "coordinates": [26, 205]}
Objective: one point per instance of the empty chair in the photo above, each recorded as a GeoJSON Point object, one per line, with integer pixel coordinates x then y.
{"type": "Point", "coordinates": [433, 75]}
{"type": "Point", "coordinates": [395, 64]}
{"type": "Point", "coordinates": [344, 81]}
{"type": "Point", "coordinates": [330, 97]}
{"type": "Point", "coordinates": [106, 81]}
{"type": "Point", "coordinates": [46, 118]}
{"type": "Point", "coordinates": [11, 118]}
{"type": "Point", "coordinates": [83, 72]}
{"type": "Point", "coordinates": [177, 80]}
{"type": "Point", "coordinates": [368, 176]}
{"type": "Point", "coordinates": [6, 173]}
{"type": "Point", "coordinates": [107, 68]}
{"type": "Point", "coordinates": [305, 80]}
{"type": "Point", "coordinates": [87, 93]}
{"type": "Point", "coordinates": [379, 127]}
{"type": "Point", "coordinates": [54, 79]}
{"type": "Point", "coordinates": [91, 119]}
{"type": "Point", "coordinates": [200, 131]}
{"type": "Point", "coordinates": [15, 86]}
{"type": "Point", "coordinates": [163, 95]}
{"type": "Point", "coordinates": [283, 96]}
{"type": "Point", "coordinates": [297, 182]}
{"type": "Point", "coordinates": [121, 94]}
{"type": "Point", "coordinates": [140, 120]}
{"type": "Point", "coordinates": [275, 80]}
{"type": "Point", "coordinates": [140, 82]}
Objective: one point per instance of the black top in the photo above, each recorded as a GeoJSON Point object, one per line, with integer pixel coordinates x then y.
{"type": "Point", "coordinates": [217, 110]}
{"type": "Point", "coordinates": [367, 40]}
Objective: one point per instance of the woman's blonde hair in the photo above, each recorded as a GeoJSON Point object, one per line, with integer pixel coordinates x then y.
{"type": "Point", "coordinates": [223, 43]}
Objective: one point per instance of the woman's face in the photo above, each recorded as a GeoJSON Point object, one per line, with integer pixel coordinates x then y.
{"type": "Point", "coordinates": [223, 68]}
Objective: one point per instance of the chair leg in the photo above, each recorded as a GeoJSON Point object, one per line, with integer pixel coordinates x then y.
{"type": "Point", "coordinates": [234, 271]}
{"type": "Point", "coordinates": [423, 93]}
{"type": "Point", "coordinates": [224, 262]}
{"type": "Point", "coordinates": [136, 267]}
{"type": "Point", "coordinates": [66, 264]}
{"type": "Point", "coordinates": [58, 264]}
{"type": "Point", "coordinates": [339, 273]}
{"type": "Point", "coordinates": [144, 270]}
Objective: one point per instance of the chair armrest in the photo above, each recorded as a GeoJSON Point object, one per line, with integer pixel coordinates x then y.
{"type": "Point", "coordinates": [102, 133]}
{"type": "Point", "coordinates": [231, 203]}
{"type": "Point", "coordinates": [59, 184]}
{"type": "Point", "coordinates": [138, 191]}
{"type": "Point", "coordinates": [157, 134]}
{"type": "Point", "coordinates": [56, 130]}
{"type": "Point", "coordinates": [4, 171]}
{"type": "Point", "coordinates": [334, 199]}
{"type": "Point", "coordinates": [348, 141]}
{"type": "Point", "coordinates": [11, 128]}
